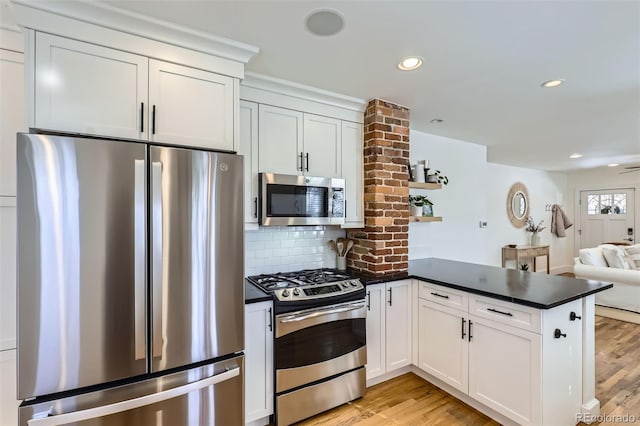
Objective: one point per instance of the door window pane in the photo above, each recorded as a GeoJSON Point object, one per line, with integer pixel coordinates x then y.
{"type": "Point", "coordinates": [607, 204]}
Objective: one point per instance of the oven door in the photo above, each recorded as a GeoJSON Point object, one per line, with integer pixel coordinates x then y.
{"type": "Point", "coordinates": [318, 343]}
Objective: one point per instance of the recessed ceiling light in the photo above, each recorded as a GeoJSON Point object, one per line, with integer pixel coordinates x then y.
{"type": "Point", "coordinates": [410, 63]}
{"type": "Point", "coordinates": [613, 165]}
{"type": "Point", "coordinates": [552, 83]}
{"type": "Point", "coordinates": [325, 22]}
{"type": "Point", "coordinates": [437, 120]}
{"type": "Point", "coordinates": [576, 155]}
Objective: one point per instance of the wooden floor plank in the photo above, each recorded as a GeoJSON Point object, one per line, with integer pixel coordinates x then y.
{"type": "Point", "coordinates": [409, 400]}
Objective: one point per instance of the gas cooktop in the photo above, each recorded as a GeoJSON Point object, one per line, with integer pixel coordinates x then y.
{"type": "Point", "coordinates": [307, 284]}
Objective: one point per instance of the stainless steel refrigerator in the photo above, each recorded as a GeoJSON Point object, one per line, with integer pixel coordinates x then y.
{"type": "Point", "coordinates": [130, 284]}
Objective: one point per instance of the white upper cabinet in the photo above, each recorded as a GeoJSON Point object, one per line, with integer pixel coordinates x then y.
{"type": "Point", "coordinates": [248, 148]}
{"type": "Point", "coordinates": [83, 88]}
{"type": "Point", "coordinates": [280, 140]}
{"type": "Point", "coordinates": [190, 107]}
{"type": "Point", "coordinates": [322, 146]}
{"type": "Point", "coordinates": [12, 118]}
{"type": "Point", "coordinates": [353, 173]}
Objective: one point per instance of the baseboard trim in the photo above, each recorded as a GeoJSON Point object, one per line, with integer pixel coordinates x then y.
{"type": "Point", "coordinates": [618, 314]}
{"type": "Point", "coordinates": [590, 411]}
{"type": "Point", "coordinates": [388, 376]}
{"type": "Point", "coordinates": [562, 269]}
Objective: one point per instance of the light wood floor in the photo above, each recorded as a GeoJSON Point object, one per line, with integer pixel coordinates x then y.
{"type": "Point", "coordinates": [409, 400]}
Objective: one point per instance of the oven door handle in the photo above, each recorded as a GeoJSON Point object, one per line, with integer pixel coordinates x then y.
{"type": "Point", "coordinates": [320, 312]}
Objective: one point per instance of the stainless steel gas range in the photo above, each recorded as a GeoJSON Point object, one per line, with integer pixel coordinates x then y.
{"type": "Point", "coordinates": [320, 340]}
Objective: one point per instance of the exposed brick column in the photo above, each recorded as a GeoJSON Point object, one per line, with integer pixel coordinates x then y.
{"type": "Point", "coordinates": [382, 246]}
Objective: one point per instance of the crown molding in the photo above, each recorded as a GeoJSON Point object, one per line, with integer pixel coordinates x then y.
{"type": "Point", "coordinates": [302, 91]}
{"type": "Point", "coordinates": [107, 16]}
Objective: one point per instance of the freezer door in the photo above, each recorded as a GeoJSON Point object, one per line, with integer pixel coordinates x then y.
{"type": "Point", "coordinates": [81, 262]}
{"type": "Point", "coordinates": [197, 256]}
{"type": "Point", "coordinates": [204, 396]}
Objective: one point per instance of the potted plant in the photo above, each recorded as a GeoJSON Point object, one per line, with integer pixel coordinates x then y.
{"type": "Point", "coordinates": [534, 229]}
{"type": "Point", "coordinates": [416, 203]}
{"type": "Point", "coordinates": [438, 177]}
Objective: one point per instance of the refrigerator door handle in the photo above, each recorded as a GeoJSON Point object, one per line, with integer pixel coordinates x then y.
{"type": "Point", "coordinates": [130, 404]}
{"type": "Point", "coordinates": [157, 257]}
{"type": "Point", "coordinates": [140, 323]}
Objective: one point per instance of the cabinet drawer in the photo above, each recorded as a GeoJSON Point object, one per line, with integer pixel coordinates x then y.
{"type": "Point", "coordinates": [443, 296]}
{"type": "Point", "coordinates": [506, 313]}
{"type": "Point", "coordinates": [540, 252]}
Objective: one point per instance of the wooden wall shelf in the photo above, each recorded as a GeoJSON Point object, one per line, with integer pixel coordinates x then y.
{"type": "Point", "coordinates": [423, 185]}
{"type": "Point", "coordinates": [425, 219]}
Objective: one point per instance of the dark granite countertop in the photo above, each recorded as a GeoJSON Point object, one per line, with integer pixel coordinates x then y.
{"type": "Point", "coordinates": [253, 294]}
{"type": "Point", "coordinates": [537, 290]}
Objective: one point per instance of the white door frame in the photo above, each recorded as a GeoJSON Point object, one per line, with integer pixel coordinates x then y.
{"type": "Point", "coordinates": [577, 212]}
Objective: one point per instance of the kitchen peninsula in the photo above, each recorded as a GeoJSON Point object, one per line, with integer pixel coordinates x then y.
{"type": "Point", "coordinates": [515, 345]}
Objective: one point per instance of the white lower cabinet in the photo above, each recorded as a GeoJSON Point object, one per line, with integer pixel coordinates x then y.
{"type": "Point", "coordinates": [8, 401]}
{"type": "Point", "coordinates": [7, 273]}
{"type": "Point", "coordinates": [388, 327]}
{"type": "Point", "coordinates": [521, 362]}
{"type": "Point", "coordinates": [259, 371]}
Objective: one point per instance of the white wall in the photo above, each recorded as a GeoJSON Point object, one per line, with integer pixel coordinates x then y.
{"type": "Point", "coordinates": [595, 179]}
{"type": "Point", "coordinates": [283, 249]}
{"type": "Point", "coordinates": [462, 203]}
{"type": "Point", "coordinates": [478, 191]}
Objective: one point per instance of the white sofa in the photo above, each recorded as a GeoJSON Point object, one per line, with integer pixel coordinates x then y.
{"type": "Point", "coordinates": [625, 294]}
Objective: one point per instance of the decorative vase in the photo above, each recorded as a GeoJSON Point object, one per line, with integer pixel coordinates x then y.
{"type": "Point", "coordinates": [535, 239]}
{"type": "Point", "coordinates": [416, 210]}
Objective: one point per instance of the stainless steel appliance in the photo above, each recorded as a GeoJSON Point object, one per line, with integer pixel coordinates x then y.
{"type": "Point", "coordinates": [300, 200]}
{"type": "Point", "coordinates": [130, 296]}
{"type": "Point", "coordinates": [320, 341]}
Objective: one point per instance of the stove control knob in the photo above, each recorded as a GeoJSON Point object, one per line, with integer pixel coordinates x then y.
{"type": "Point", "coordinates": [354, 283]}
{"type": "Point", "coordinates": [285, 293]}
{"type": "Point", "coordinates": [296, 292]}
{"type": "Point", "coordinates": [345, 285]}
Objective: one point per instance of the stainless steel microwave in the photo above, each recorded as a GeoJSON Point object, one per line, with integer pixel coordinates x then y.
{"type": "Point", "coordinates": [286, 200]}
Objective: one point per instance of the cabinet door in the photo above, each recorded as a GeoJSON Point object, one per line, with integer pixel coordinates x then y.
{"type": "Point", "coordinates": [190, 107]}
{"type": "Point", "coordinates": [322, 146]}
{"type": "Point", "coordinates": [442, 344]}
{"type": "Point", "coordinates": [398, 324]}
{"type": "Point", "coordinates": [280, 140]}
{"type": "Point", "coordinates": [7, 273]}
{"type": "Point", "coordinates": [8, 398]}
{"type": "Point", "coordinates": [248, 147]}
{"type": "Point", "coordinates": [375, 330]}
{"type": "Point", "coordinates": [258, 326]}
{"type": "Point", "coordinates": [504, 369]}
{"type": "Point", "coordinates": [12, 118]}
{"type": "Point", "coordinates": [352, 173]}
{"type": "Point", "coordinates": [83, 88]}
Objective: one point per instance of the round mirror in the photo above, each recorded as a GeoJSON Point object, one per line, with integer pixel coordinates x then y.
{"type": "Point", "coordinates": [518, 205]}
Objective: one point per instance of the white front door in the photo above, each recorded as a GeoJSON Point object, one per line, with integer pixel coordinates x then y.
{"type": "Point", "coordinates": [607, 216]}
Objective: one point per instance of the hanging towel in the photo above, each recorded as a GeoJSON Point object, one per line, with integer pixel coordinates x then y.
{"type": "Point", "coordinates": [559, 221]}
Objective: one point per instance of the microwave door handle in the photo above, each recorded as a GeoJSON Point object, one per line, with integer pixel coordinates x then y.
{"type": "Point", "coordinates": [139, 287]}
{"type": "Point", "coordinates": [157, 258]}
{"type": "Point", "coordinates": [132, 404]}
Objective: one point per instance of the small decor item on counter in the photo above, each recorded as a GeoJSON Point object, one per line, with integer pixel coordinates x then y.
{"type": "Point", "coordinates": [535, 230]}
{"type": "Point", "coordinates": [341, 246]}
{"type": "Point", "coordinates": [419, 174]}
{"type": "Point", "coordinates": [524, 266]}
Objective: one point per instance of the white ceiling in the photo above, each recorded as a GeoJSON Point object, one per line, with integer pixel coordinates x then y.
{"type": "Point", "coordinates": [484, 63]}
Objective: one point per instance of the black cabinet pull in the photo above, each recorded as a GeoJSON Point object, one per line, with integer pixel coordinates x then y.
{"type": "Point", "coordinates": [307, 156]}
{"type": "Point", "coordinates": [509, 314]}
{"type": "Point", "coordinates": [301, 166]}
{"type": "Point", "coordinates": [141, 117]}
{"type": "Point", "coordinates": [463, 333]}
{"type": "Point", "coordinates": [444, 296]}
{"type": "Point", "coordinates": [270, 320]}
{"type": "Point", "coordinates": [558, 333]}
{"type": "Point", "coordinates": [391, 296]}
{"type": "Point", "coordinates": [153, 120]}
{"type": "Point", "coordinates": [470, 324]}
{"type": "Point", "coordinates": [573, 316]}
{"type": "Point", "coordinates": [255, 203]}
{"type": "Point", "coordinates": [368, 301]}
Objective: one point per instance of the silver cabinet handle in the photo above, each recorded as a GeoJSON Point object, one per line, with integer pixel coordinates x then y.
{"type": "Point", "coordinates": [140, 264]}
{"type": "Point", "coordinates": [131, 404]}
{"type": "Point", "coordinates": [320, 312]}
{"type": "Point", "coordinates": [157, 256]}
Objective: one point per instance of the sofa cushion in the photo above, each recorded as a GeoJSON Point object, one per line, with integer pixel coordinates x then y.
{"type": "Point", "coordinates": [615, 256]}
{"type": "Point", "coordinates": [593, 256]}
{"type": "Point", "coordinates": [633, 256]}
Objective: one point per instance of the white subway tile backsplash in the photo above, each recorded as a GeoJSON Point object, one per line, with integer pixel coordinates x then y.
{"type": "Point", "coordinates": [284, 249]}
